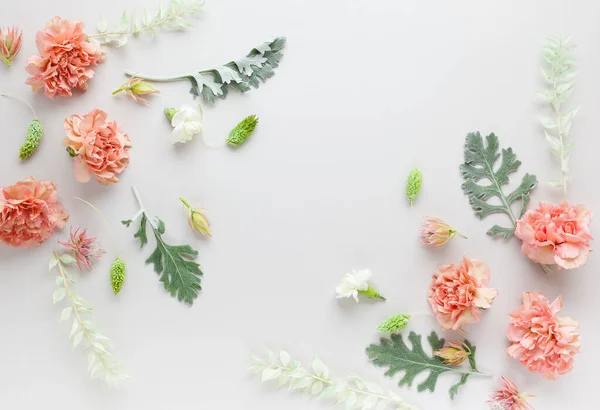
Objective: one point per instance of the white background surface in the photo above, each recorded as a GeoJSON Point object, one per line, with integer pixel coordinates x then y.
{"type": "Point", "coordinates": [366, 91]}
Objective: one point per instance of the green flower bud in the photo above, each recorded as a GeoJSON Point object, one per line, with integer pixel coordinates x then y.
{"type": "Point", "coordinates": [242, 131]}
{"type": "Point", "coordinates": [117, 275]}
{"type": "Point", "coordinates": [170, 112]}
{"type": "Point", "coordinates": [35, 132]}
{"type": "Point", "coordinates": [71, 152]}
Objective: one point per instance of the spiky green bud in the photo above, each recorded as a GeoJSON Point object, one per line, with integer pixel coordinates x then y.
{"type": "Point", "coordinates": [394, 324]}
{"type": "Point", "coordinates": [71, 152]}
{"type": "Point", "coordinates": [117, 275]}
{"type": "Point", "coordinates": [34, 136]}
{"type": "Point", "coordinates": [413, 184]}
{"type": "Point", "coordinates": [242, 131]}
{"type": "Point", "coordinates": [170, 112]}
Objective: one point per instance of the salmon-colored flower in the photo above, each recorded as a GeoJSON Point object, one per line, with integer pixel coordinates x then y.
{"type": "Point", "coordinates": [556, 234]}
{"type": "Point", "coordinates": [84, 248]}
{"type": "Point", "coordinates": [29, 213]}
{"type": "Point", "coordinates": [100, 147]}
{"type": "Point", "coordinates": [65, 60]}
{"type": "Point", "coordinates": [458, 293]}
{"type": "Point", "coordinates": [436, 232]}
{"type": "Point", "coordinates": [541, 340]}
{"type": "Point", "coordinates": [135, 88]}
{"type": "Point", "coordinates": [509, 398]}
{"type": "Point", "coordinates": [10, 43]}
{"type": "Point", "coordinates": [453, 353]}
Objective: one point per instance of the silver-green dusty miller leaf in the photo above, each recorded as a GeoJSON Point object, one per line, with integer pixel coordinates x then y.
{"type": "Point", "coordinates": [481, 163]}
{"type": "Point", "coordinates": [240, 74]}
{"type": "Point", "coordinates": [354, 392]}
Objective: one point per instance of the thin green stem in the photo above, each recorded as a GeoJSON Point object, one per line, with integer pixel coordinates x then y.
{"type": "Point", "coordinates": [22, 100]}
{"type": "Point", "coordinates": [112, 239]}
{"type": "Point", "coordinates": [501, 194]}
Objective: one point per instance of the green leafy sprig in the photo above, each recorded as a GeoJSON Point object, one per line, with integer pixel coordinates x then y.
{"type": "Point", "coordinates": [481, 163]}
{"type": "Point", "coordinates": [355, 393]}
{"type": "Point", "coordinates": [398, 357]}
{"type": "Point", "coordinates": [174, 16]}
{"type": "Point", "coordinates": [240, 74]}
{"type": "Point", "coordinates": [101, 362]}
{"type": "Point", "coordinates": [559, 77]}
{"type": "Point", "coordinates": [179, 274]}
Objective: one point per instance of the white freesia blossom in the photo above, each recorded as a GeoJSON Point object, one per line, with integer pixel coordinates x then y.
{"type": "Point", "coordinates": [353, 283]}
{"type": "Point", "coordinates": [186, 123]}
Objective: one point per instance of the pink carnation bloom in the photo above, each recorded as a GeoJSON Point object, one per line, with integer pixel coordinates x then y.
{"type": "Point", "coordinates": [457, 293]}
{"type": "Point", "coordinates": [509, 398]}
{"type": "Point", "coordinates": [556, 234]}
{"type": "Point", "coordinates": [100, 147]}
{"type": "Point", "coordinates": [84, 248]}
{"type": "Point", "coordinates": [65, 60]}
{"type": "Point", "coordinates": [541, 340]}
{"type": "Point", "coordinates": [29, 212]}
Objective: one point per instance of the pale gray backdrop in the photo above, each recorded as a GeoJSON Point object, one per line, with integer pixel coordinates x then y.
{"type": "Point", "coordinates": [366, 91]}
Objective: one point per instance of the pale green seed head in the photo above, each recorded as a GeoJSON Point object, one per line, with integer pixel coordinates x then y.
{"type": "Point", "coordinates": [242, 131]}
{"type": "Point", "coordinates": [118, 272]}
{"type": "Point", "coordinates": [413, 184]}
{"type": "Point", "coordinates": [394, 324]}
{"type": "Point", "coordinates": [34, 136]}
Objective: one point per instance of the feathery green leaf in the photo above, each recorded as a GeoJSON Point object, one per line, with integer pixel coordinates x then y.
{"type": "Point", "coordinates": [481, 163]}
{"type": "Point", "coordinates": [240, 74]}
{"type": "Point", "coordinates": [398, 357]}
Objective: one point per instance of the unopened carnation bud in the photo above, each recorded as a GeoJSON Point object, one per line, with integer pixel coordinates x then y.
{"type": "Point", "coordinates": [453, 353]}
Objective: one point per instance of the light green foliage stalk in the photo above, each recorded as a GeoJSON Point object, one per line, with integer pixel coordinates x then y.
{"type": "Point", "coordinates": [481, 163]}
{"type": "Point", "coordinates": [559, 76]}
{"type": "Point", "coordinates": [101, 362]}
{"type": "Point", "coordinates": [354, 392]}
{"type": "Point", "coordinates": [242, 131]}
{"type": "Point", "coordinates": [411, 362]}
{"type": "Point", "coordinates": [118, 272]}
{"type": "Point", "coordinates": [413, 184]}
{"type": "Point", "coordinates": [34, 136]}
{"type": "Point", "coordinates": [174, 16]}
{"type": "Point", "coordinates": [394, 324]}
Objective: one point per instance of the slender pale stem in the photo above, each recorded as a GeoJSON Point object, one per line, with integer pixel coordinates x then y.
{"type": "Point", "coordinates": [155, 78]}
{"type": "Point", "coordinates": [112, 239]}
{"type": "Point", "coordinates": [142, 208]}
{"type": "Point", "coordinates": [22, 100]}
{"type": "Point", "coordinates": [84, 329]}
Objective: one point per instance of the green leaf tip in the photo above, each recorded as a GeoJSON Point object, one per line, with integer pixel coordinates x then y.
{"type": "Point", "coordinates": [242, 131]}
{"type": "Point", "coordinates": [481, 162]}
{"type": "Point", "coordinates": [118, 272]}
{"type": "Point", "coordinates": [394, 324]}
{"type": "Point", "coordinates": [34, 136]}
{"type": "Point", "coordinates": [413, 184]}
{"type": "Point", "coordinates": [399, 358]}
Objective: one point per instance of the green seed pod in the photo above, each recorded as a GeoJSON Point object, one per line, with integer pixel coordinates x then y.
{"type": "Point", "coordinates": [394, 324]}
{"type": "Point", "coordinates": [35, 132]}
{"type": "Point", "coordinates": [413, 184]}
{"type": "Point", "coordinates": [242, 131]}
{"type": "Point", "coordinates": [117, 275]}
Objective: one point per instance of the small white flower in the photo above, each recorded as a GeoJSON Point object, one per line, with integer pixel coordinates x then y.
{"type": "Point", "coordinates": [352, 283]}
{"type": "Point", "coordinates": [186, 123]}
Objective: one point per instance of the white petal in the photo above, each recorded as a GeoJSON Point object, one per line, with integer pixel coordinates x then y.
{"type": "Point", "coordinates": [179, 135]}
{"type": "Point", "coordinates": [355, 295]}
